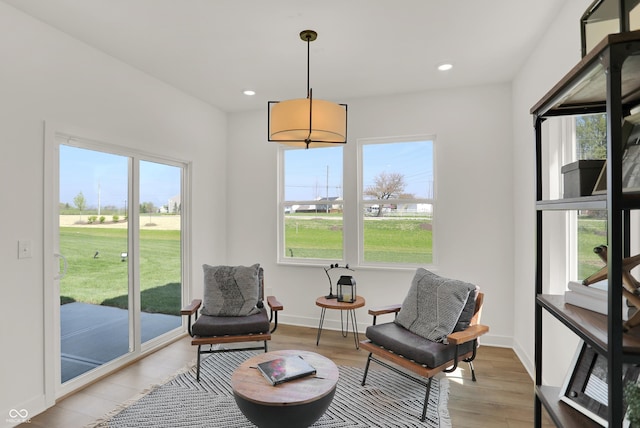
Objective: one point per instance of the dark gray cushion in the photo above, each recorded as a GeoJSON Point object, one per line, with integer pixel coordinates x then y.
{"type": "Point", "coordinates": [208, 325]}
{"type": "Point", "coordinates": [401, 341]}
{"type": "Point", "coordinates": [433, 305]}
{"type": "Point", "coordinates": [230, 290]}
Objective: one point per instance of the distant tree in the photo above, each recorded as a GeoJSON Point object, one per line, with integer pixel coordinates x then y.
{"type": "Point", "coordinates": [147, 208]}
{"type": "Point", "coordinates": [591, 136]}
{"type": "Point", "coordinates": [80, 202]}
{"type": "Point", "coordinates": [386, 186]}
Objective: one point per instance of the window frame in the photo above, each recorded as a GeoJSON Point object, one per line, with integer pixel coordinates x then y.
{"type": "Point", "coordinates": [282, 203]}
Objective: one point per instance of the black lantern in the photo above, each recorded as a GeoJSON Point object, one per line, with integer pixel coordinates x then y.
{"type": "Point", "coordinates": [346, 289]}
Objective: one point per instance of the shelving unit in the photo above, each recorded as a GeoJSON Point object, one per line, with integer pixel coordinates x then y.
{"type": "Point", "coordinates": [607, 80]}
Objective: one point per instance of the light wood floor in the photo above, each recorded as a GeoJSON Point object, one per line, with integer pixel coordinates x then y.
{"type": "Point", "coordinates": [501, 397]}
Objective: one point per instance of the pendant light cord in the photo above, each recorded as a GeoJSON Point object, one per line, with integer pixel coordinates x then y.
{"type": "Point", "coordinates": [308, 61]}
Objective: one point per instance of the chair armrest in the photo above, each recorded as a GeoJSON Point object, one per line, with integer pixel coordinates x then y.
{"type": "Point", "coordinates": [391, 309]}
{"type": "Point", "coordinates": [385, 310]}
{"type": "Point", "coordinates": [192, 307]}
{"type": "Point", "coordinates": [464, 336]}
{"type": "Point", "coordinates": [274, 307]}
{"type": "Point", "coordinates": [274, 304]}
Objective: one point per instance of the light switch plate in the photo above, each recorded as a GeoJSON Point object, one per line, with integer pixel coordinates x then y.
{"type": "Point", "coordinates": [24, 249]}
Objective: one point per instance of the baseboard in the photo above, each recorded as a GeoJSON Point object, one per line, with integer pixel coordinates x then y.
{"type": "Point", "coordinates": [524, 359]}
{"type": "Point", "coordinates": [23, 412]}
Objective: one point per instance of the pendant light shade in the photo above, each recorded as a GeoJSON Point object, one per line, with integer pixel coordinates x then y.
{"type": "Point", "coordinates": [320, 122]}
{"type": "Point", "coordinates": [305, 122]}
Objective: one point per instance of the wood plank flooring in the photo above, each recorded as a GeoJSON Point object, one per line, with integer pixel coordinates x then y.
{"type": "Point", "coordinates": [501, 397]}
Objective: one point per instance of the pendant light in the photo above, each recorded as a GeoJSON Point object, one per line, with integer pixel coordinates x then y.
{"type": "Point", "coordinates": [307, 122]}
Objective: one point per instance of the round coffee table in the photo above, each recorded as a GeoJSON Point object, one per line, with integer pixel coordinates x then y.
{"type": "Point", "coordinates": [297, 403]}
{"type": "Point", "coordinates": [350, 307]}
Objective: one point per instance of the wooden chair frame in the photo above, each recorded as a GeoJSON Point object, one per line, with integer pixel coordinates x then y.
{"type": "Point", "coordinates": [396, 362]}
{"type": "Point", "coordinates": [191, 311]}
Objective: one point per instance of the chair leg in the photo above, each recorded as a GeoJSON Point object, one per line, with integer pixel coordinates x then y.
{"type": "Point", "coordinates": [426, 401]}
{"type": "Point", "coordinates": [366, 369]}
{"type": "Point", "coordinates": [265, 347]}
{"type": "Point", "coordinates": [473, 372]}
{"type": "Point", "coordinates": [198, 365]}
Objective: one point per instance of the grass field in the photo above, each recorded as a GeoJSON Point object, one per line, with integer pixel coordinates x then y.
{"type": "Point", "coordinates": [103, 279]}
{"type": "Point", "coordinates": [591, 233]}
{"type": "Point", "coordinates": [391, 240]}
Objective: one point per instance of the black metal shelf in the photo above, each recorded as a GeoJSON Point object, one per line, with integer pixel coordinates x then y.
{"type": "Point", "coordinates": [607, 80]}
{"type": "Point", "coordinates": [630, 201]}
{"type": "Point", "coordinates": [590, 326]}
{"type": "Point", "coordinates": [561, 413]}
{"type": "Point", "coordinates": [584, 89]}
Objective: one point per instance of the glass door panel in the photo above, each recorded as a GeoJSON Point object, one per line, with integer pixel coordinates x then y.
{"type": "Point", "coordinates": [93, 235]}
{"type": "Point", "coordinates": [160, 249]}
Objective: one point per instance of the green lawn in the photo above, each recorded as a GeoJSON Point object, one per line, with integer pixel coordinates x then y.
{"type": "Point", "coordinates": [103, 279]}
{"type": "Point", "coordinates": [405, 240]}
{"type": "Point", "coordinates": [591, 233]}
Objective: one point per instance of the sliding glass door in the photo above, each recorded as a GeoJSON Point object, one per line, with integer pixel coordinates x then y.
{"type": "Point", "coordinates": [119, 233]}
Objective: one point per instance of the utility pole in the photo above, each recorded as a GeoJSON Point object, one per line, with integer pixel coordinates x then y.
{"type": "Point", "coordinates": [327, 191]}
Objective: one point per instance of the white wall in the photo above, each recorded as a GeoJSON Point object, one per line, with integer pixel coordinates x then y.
{"type": "Point", "coordinates": [555, 54]}
{"type": "Point", "coordinates": [474, 211]}
{"type": "Point", "coordinates": [485, 181]}
{"type": "Point", "coordinates": [46, 75]}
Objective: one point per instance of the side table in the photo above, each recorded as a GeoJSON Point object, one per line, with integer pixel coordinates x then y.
{"type": "Point", "coordinates": [325, 304]}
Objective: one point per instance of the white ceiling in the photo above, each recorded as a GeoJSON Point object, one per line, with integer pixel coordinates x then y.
{"type": "Point", "coordinates": [215, 49]}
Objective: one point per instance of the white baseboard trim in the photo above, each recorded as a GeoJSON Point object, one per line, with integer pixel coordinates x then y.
{"type": "Point", "coordinates": [524, 359]}
{"type": "Point", "coordinates": [23, 412]}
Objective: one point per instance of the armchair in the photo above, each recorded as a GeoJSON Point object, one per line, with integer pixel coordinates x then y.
{"type": "Point", "coordinates": [450, 324]}
{"type": "Point", "coordinates": [232, 311]}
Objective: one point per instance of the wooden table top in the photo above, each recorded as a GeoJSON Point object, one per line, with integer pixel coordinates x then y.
{"type": "Point", "coordinates": [323, 302]}
{"type": "Point", "coordinates": [248, 383]}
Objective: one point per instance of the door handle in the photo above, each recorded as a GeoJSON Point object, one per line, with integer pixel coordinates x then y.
{"type": "Point", "coordinates": [60, 275]}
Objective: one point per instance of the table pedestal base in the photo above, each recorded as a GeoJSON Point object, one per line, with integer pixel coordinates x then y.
{"type": "Point", "coordinates": [298, 416]}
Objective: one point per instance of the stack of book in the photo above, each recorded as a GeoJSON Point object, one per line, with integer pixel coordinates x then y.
{"type": "Point", "coordinates": [592, 296]}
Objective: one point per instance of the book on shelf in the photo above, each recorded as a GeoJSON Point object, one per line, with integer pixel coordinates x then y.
{"type": "Point", "coordinates": [596, 290]}
{"type": "Point", "coordinates": [593, 297]}
{"type": "Point", "coordinates": [284, 369]}
{"type": "Point", "coordinates": [585, 301]}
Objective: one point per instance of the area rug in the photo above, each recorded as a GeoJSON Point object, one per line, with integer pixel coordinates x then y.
{"type": "Point", "coordinates": [387, 400]}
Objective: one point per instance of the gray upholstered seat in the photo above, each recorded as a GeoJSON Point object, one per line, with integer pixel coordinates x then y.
{"type": "Point", "coordinates": [413, 347]}
{"type": "Point", "coordinates": [208, 325]}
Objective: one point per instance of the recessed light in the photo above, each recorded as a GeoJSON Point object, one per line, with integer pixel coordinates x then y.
{"type": "Point", "coordinates": [249, 92]}
{"type": "Point", "coordinates": [446, 66]}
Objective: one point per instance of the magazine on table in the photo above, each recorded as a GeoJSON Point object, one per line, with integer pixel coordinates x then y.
{"type": "Point", "coordinates": [284, 369]}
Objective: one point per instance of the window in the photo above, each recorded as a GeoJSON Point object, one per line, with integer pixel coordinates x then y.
{"type": "Point", "coordinates": [311, 205]}
{"type": "Point", "coordinates": [396, 201]}
{"type": "Point", "coordinates": [390, 225]}
{"type": "Point", "coordinates": [590, 227]}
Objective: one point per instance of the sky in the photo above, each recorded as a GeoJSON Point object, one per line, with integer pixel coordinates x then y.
{"type": "Point", "coordinates": [104, 176]}
{"type": "Point", "coordinates": [317, 173]}
{"type": "Point", "coordinates": [309, 174]}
